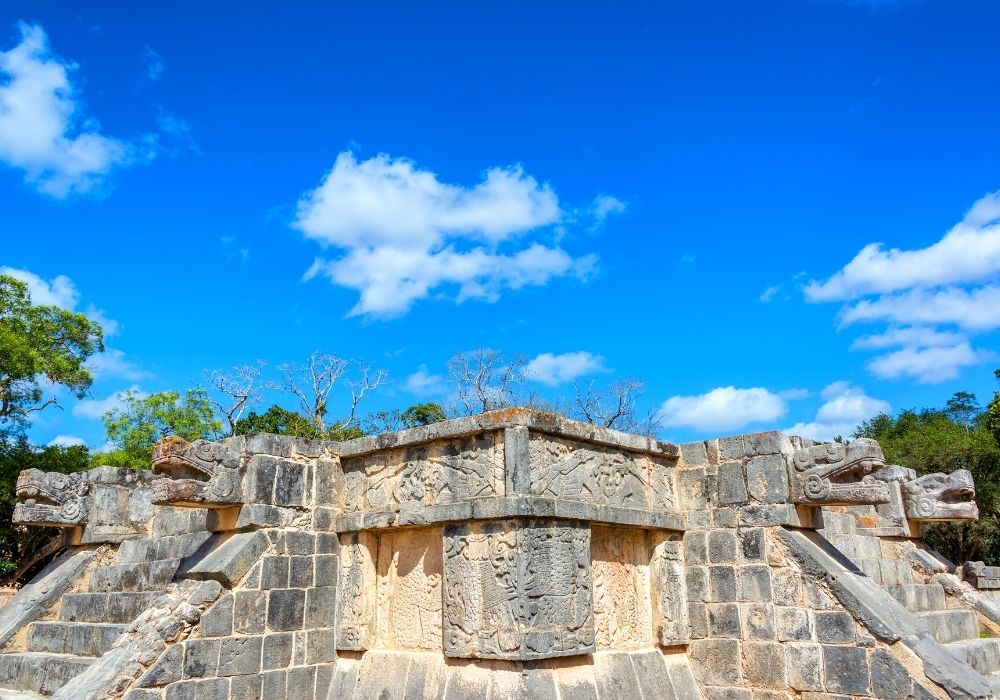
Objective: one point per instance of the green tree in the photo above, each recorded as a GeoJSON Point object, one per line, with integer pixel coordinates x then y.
{"type": "Point", "coordinates": [39, 344]}
{"type": "Point", "coordinates": [276, 420]}
{"type": "Point", "coordinates": [422, 414]}
{"type": "Point", "coordinates": [142, 421]}
{"type": "Point", "coordinates": [20, 545]}
{"type": "Point", "coordinates": [943, 440]}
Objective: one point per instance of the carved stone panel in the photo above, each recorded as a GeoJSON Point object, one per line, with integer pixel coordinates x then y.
{"type": "Point", "coordinates": [517, 589]}
{"type": "Point", "coordinates": [440, 472]}
{"type": "Point", "coordinates": [670, 610]}
{"type": "Point", "coordinates": [621, 572]}
{"type": "Point", "coordinates": [562, 468]}
{"type": "Point", "coordinates": [408, 609]}
{"type": "Point", "coordinates": [356, 591]}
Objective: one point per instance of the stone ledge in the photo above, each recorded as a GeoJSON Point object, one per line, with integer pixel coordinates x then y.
{"type": "Point", "coordinates": [511, 507]}
{"type": "Point", "coordinates": [506, 418]}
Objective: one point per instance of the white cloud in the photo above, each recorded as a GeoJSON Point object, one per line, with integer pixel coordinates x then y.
{"type": "Point", "coordinates": [912, 336]}
{"type": "Point", "coordinates": [423, 383]}
{"type": "Point", "coordinates": [96, 408]}
{"type": "Point", "coordinates": [41, 130]}
{"type": "Point", "coordinates": [111, 364]}
{"type": "Point", "coordinates": [974, 310]}
{"type": "Point", "coordinates": [553, 370]}
{"type": "Point", "coordinates": [66, 441]}
{"type": "Point", "coordinates": [768, 294]}
{"type": "Point", "coordinates": [928, 365]}
{"type": "Point", "coordinates": [62, 292]}
{"type": "Point", "coordinates": [922, 295]}
{"type": "Point", "coordinates": [969, 252]}
{"type": "Point", "coordinates": [605, 205]}
{"type": "Point", "coordinates": [405, 234]}
{"type": "Point", "coordinates": [723, 408]}
{"type": "Point", "coordinates": [155, 65]}
{"type": "Point", "coordinates": [844, 408]}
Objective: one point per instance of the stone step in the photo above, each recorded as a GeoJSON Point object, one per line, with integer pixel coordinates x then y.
{"type": "Point", "coordinates": [18, 695]}
{"type": "Point", "coordinates": [948, 626]}
{"type": "Point", "coordinates": [147, 576]}
{"type": "Point", "coordinates": [112, 608]}
{"type": "Point", "coordinates": [982, 654]}
{"type": "Point", "coordinates": [919, 597]}
{"type": "Point", "coordinates": [39, 671]}
{"type": "Point", "coordinates": [73, 637]}
{"type": "Point", "coordinates": [994, 683]}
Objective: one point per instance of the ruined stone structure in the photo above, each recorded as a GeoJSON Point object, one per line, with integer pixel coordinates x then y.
{"type": "Point", "coordinates": [513, 554]}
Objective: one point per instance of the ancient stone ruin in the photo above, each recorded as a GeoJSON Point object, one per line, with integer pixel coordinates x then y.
{"type": "Point", "coordinates": [512, 554]}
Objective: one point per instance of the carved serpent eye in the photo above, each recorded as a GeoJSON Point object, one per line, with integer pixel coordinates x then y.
{"type": "Point", "coordinates": [816, 488]}
{"type": "Point", "coordinates": [71, 509]}
{"type": "Point", "coordinates": [925, 506]}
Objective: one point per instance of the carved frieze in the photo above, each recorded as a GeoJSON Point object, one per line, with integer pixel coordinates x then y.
{"type": "Point", "coordinates": [356, 591]}
{"type": "Point", "coordinates": [622, 586]}
{"type": "Point", "coordinates": [408, 607]}
{"type": "Point", "coordinates": [670, 610]}
{"type": "Point", "coordinates": [517, 589]}
{"type": "Point", "coordinates": [604, 476]}
{"type": "Point", "coordinates": [838, 474]}
{"type": "Point", "coordinates": [440, 472]}
{"type": "Point", "coordinates": [936, 497]}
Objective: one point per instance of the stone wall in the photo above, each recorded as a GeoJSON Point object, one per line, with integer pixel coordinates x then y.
{"type": "Point", "coordinates": [512, 554]}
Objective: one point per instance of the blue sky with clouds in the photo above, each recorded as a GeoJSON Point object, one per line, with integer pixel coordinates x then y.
{"type": "Point", "coordinates": [779, 214]}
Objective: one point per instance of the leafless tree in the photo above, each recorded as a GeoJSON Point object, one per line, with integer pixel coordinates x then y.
{"type": "Point", "coordinates": [614, 407]}
{"type": "Point", "coordinates": [234, 392]}
{"type": "Point", "coordinates": [485, 380]}
{"type": "Point", "coordinates": [313, 383]}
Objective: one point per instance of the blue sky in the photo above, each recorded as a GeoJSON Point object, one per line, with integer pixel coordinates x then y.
{"type": "Point", "coordinates": [778, 214]}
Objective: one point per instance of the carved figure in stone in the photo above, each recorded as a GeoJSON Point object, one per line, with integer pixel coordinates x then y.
{"type": "Point", "coordinates": [941, 497]}
{"type": "Point", "coordinates": [52, 499]}
{"type": "Point", "coordinates": [838, 474]}
{"type": "Point", "coordinates": [199, 473]}
{"type": "Point", "coordinates": [356, 592]}
{"type": "Point", "coordinates": [580, 472]}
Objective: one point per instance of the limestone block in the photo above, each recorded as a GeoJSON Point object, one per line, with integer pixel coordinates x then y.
{"type": "Point", "coordinates": [226, 558]}
{"type": "Point", "coordinates": [846, 670]}
{"type": "Point", "coordinates": [517, 589]}
{"type": "Point", "coordinates": [716, 661]}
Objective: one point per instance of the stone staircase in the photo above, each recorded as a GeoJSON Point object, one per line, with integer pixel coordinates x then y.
{"type": "Point", "coordinates": [88, 623]}
{"type": "Point", "coordinates": [956, 628]}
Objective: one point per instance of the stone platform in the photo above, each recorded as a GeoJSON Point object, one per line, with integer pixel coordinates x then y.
{"type": "Point", "coordinates": [512, 554]}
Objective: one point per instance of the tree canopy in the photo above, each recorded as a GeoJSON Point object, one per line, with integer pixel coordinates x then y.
{"type": "Point", "coordinates": [40, 343]}
{"type": "Point", "coordinates": [142, 421]}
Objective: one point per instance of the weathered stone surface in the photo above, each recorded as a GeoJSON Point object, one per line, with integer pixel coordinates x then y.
{"type": "Point", "coordinates": [225, 558]}
{"type": "Point", "coordinates": [836, 473]}
{"type": "Point", "coordinates": [518, 590]}
{"type": "Point", "coordinates": [936, 497]}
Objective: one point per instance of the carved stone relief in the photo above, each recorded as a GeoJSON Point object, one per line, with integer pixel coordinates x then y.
{"type": "Point", "coordinates": [408, 612]}
{"type": "Point", "coordinates": [562, 468]}
{"type": "Point", "coordinates": [670, 610]}
{"type": "Point", "coordinates": [356, 591]}
{"type": "Point", "coordinates": [517, 589]}
{"type": "Point", "coordinates": [424, 475]}
{"type": "Point", "coordinates": [838, 474]}
{"type": "Point", "coordinates": [621, 571]}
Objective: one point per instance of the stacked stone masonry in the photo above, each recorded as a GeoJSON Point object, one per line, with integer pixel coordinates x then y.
{"type": "Point", "coordinates": [509, 555]}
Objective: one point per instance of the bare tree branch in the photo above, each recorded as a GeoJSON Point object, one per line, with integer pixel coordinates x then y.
{"type": "Point", "coordinates": [314, 383]}
{"type": "Point", "coordinates": [240, 390]}
{"type": "Point", "coordinates": [614, 407]}
{"type": "Point", "coordinates": [485, 380]}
